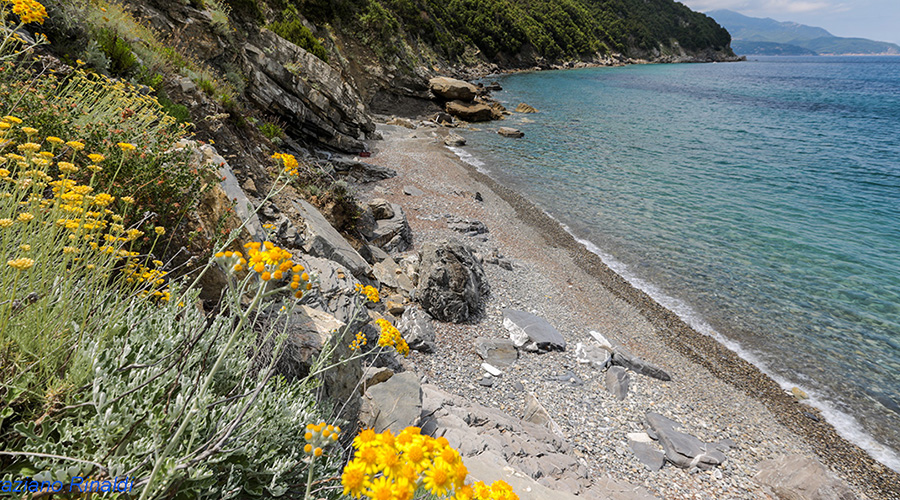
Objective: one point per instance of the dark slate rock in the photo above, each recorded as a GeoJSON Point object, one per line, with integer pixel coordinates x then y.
{"type": "Point", "coordinates": [322, 240]}
{"type": "Point", "coordinates": [486, 381]}
{"type": "Point", "coordinates": [468, 227]}
{"type": "Point", "coordinates": [498, 352]}
{"type": "Point", "coordinates": [526, 328]}
{"type": "Point", "coordinates": [617, 382]}
{"type": "Point", "coordinates": [682, 449]}
{"type": "Point", "coordinates": [625, 359]}
{"type": "Point", "coordinates": [452, 283]}
{"type": "Point", "coordinates": [360, 172]}
{"type": "Point", "coordinates": [648, 454]}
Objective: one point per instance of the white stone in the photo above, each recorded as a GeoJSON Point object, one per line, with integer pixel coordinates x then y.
{"type": "Point", "coordinates": [602, 340]}
{"type": "Point", "coordinates": [493, 370]}
{"type": "Point", "coordinates": [640, 437]}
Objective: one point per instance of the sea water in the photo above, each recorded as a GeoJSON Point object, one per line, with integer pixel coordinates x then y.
{"type": "Point", "coordinates": [759, 200]}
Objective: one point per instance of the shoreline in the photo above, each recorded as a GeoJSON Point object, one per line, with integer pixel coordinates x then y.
{"type": "Point", "coordinates": [850, 461]}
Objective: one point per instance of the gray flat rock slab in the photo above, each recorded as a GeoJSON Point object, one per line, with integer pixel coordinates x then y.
{"type": "Point", "coordinates": [682, 449]}
{"type": "Point", "coordinates": [526, 328]}
{"type": "Point", "coordinates": [498, 352]}
{"type": "Point", "coordinates": [649, 454]}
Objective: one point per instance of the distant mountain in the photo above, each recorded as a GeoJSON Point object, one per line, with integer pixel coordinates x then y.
{"type": "Point", "coordinates": [751, 48]}
{"type": "Point", "coordinates": [758, 36]}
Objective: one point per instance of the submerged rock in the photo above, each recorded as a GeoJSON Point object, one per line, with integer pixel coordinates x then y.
{"type": "Point", "coordinates": [510, 132]}
{"type": "Point", "coordinates": [525, 108]}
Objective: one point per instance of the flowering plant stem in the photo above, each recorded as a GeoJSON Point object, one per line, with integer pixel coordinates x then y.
{"type": "Point", "coordinates": [195, 404]}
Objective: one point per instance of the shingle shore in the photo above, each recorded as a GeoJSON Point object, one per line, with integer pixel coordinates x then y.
{"type": "Point", "coordinates": [714, 393]}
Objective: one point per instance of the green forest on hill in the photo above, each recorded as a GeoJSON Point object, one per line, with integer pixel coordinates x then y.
{"type": "Point", "coordinates": [554, 29]}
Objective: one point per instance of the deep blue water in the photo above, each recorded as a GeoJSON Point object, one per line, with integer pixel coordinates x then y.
{"type": "Point", "coordinates": [759, 200]}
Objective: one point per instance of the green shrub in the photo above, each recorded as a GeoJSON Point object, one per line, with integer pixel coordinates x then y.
{"type": "Point", "coordinates": [271, 130]}
{"type": "Point", "coordinates": [117, 50]}
{"type": "Point", "coordinates": [292, 29]}
{"type": "Point", "coordinates": [178, 111]}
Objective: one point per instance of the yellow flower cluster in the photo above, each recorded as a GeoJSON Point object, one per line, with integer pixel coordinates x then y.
{"type": "Point", "coordinates": [319, 436]}
{"type": "Point", "coordinates": [20, 264]}
{"type": "Point", "coordinates": [269, 262]}
{"type": "Point", "coordinates": [75, 221]}
{"type": "Point", "coordinates": [397, 467]}
{"type": "Point", "coordinates": [390, 337]}
{"type": "Point", "coordinates": [360, 341]}
{"type": "Point", "coordinates": [370, 292]}
{"type": "Point", "coordinates": [290, 163]}
{"type": "Point", "coordinates": [29, 11]}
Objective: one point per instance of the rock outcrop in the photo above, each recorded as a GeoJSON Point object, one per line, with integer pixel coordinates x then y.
{"type": "Point", "coordinates": [317, 104]}
{"type": "Point", "coordinates": [322, 240]}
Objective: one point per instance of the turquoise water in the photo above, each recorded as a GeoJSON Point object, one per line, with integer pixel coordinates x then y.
{"type": "Point", "coordinates": [759, 200]}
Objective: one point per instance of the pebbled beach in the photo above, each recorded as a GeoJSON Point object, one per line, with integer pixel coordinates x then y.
{"type": "Point", "coordinates": [713, 393]}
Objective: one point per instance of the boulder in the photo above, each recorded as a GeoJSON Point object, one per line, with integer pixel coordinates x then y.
{"type": "Point", "coordinates": [451, 88]}
{"type": "Point", "coordinates": [682, 449]}
{"type": "Point", "coordinates": [795, 477]}
{"type": "Point", "coordinates": [373, 376]}
{"type": "Point", "coordinates": [526, 329]}
{"type": "Point", "coordinates": [617, 382]}
{"type": "Point", "coordinates": [525, 108]}
{"type": "Point", "coordinates": [443, 118]}
{"type": "Point", "coordinates": [454, 140]}
{"type": "Point", "coordinates": [470, 112]}
{"type": "Point", "coordinates": [394, 404]}
{"type": "Point", "coordinates": [452, 283]}
{"type": "Point", "coordinates": [393, 234]}
{"type": "Point", "coordinates": [498, 352]}
{"type": "Point", "coordinates": [386, 272]}
{"type": "Point", "coordinates": [417, 328]}
{"type": "Point", "coordinates": [510, 132]}
{"type": "Point", "coordinates": [537, 414]}
{"type": "Point", "coordinates": [625, 359]}
{"type": "Point", "coordinates": [324, 241]}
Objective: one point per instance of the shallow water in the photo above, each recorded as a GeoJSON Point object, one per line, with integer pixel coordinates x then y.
{"type": "Point", "coordinates": [759, 200]}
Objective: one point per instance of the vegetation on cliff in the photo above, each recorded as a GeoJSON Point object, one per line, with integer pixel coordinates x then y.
{"type": "Point", "coordinates": [502, 30]}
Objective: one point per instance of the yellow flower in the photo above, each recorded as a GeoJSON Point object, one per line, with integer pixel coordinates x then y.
{"type": "Point", "coordinates": [20, 264]}
{"type": "Point", "coordinates": [126, 146]}
{"type": "Point", "coordinates": [127, 199]}
{"type": "Point", "coordinates": [96, 158]}
{"type": "Point", "coordinates": [160, 230]}
{"type": "Point", "coordinates": [12, 119]}
{"type": "Point", "coordinates": [354, 479]}
{"type": "Point", "coordinates": [66, 167]}
{"type": "Point", "coordinates": [94, 168]}
{"type": "Point", "coordinates": [77, 146]}
{"type": "Point", "coordinates": [370, 292]}
{"type": "Point", "coordinates": [25, 217]}
{"type": "Point", "coordinates": [29, 131]}
{"type": "Point", "coordinates": [29, 146]}
{"type": "Point", "coordinates": [25, 247]}
{"type": "Point", "coordinates": [103, 199]}
{"type": "Point", "coordinates": [54, 140]}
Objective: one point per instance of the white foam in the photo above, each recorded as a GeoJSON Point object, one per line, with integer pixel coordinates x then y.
{"type": "Point", "coordinates": [845, 424]}
{"type": "Point", "coordinates": [469, 158]}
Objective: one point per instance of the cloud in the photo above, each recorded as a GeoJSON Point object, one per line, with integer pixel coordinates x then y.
{"type": "Point", "coordinates": [763, 7]}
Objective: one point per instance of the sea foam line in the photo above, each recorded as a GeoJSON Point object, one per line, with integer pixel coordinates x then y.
{"type": "Point", "coordinates": [846, 425]}
{"type": "Point", "coordinates": [469, 158]}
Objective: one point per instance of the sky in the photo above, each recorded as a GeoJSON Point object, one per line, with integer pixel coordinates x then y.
{"type": "Point", "coordinates": [873, 19]}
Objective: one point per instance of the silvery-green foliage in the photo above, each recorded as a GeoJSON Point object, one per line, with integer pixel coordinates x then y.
{"type": "Point", "coordinates": [145, 373]}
